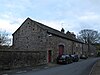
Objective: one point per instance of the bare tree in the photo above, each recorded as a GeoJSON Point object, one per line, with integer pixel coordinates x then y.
{"type": "Point", "coordinates": [89, 36]}
{"type": "Point", "coordinates": [4, 39]}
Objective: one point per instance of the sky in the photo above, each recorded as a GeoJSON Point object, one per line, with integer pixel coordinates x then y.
{"type": "Point", "coordinates": [72, 15]}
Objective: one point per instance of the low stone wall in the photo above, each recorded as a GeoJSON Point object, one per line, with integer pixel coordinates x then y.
{"type": "Point", "coordinates": [17, 59]}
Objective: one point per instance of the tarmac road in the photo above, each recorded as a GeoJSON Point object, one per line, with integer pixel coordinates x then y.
{"type": "Point", "coordinates": [77, 68]}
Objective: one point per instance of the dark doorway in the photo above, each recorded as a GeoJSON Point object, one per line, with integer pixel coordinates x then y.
{"type": "Point", "coordinates": [61, 49]}
{"type": "Point", "coordinates": [49, 56]}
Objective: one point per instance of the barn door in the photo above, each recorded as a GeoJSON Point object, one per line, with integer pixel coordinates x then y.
{"type": "Point", "coordinates": [61, 49]}
{"type": "Point", "coordinates": [49, 56]}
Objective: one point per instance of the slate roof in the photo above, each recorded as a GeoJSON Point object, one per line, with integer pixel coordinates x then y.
{"type": "Point", "coordinates": [52, 31]}
{"type": "Point", "coordinates": [56, 32]}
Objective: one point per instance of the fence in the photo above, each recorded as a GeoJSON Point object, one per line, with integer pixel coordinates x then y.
{"type": "Point", "coordinates": [16, 59]}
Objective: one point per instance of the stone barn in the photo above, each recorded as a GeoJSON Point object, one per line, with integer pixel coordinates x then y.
{"type": "Point", "coordinates": [35, 36]}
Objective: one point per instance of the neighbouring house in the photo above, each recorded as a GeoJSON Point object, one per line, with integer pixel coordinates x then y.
{"type": "Point", "coordinates": [35, 36]}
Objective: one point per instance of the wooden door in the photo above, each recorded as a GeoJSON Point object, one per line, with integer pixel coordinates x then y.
{"type": "Point", "coordinates": [49, 56]}
{"type": "Point", "coordinates": [61, 49]}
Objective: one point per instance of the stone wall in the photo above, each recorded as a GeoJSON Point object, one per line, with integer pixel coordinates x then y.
{"type": "Point", "coordinates": [70, 47]}
{"type": "Point", "coordinates": [17, 59]}
{"type": "Point", "coordinates": [29, 37]}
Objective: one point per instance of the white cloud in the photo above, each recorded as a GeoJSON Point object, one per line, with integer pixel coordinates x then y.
{"type": "Point", "coordinates": [68, 14]}
{"type": "Point", "coordinates": [53, 24]}
{"type": "Point", "coordinates": [5, 25]}
{"type": "Point", "coordinates": [89, 16]}
{"type": "Point", "coordinates": [9, 22]}
{"type": "Point", "coordinates": [21, 4]}
{"type": "Point", "coordinates": [59, 24]}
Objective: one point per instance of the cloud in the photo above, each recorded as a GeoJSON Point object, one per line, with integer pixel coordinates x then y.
{"type": "Point", "coordinates": [53, 24]}
{"type": "Point", "coordinates": [89, 16]}
{"type": "Point", "coordinates": [21, 4]}
{"type": "Point", "coordinates": [5, 25]}
{"type": "Point", "coordinates": [9, 23]}
{"type": "Point", "coordinates": [73, 15]}
{"type": "Point", "coordinates": [59, 24]}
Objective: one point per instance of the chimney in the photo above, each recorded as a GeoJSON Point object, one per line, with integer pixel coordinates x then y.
{"type": "Point", "coordinates": [62, 30]}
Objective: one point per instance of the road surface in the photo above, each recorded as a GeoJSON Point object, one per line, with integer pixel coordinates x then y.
{"type": "Point", "coordinates": [77, 68]}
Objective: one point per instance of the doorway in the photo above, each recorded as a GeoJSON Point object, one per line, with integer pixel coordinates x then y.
{"type": "Point", "coordinates": [61, 49]}
{"type": "Point", "coordinates": [49, 56]}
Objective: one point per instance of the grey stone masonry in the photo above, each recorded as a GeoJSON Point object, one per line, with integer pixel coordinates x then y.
{"type": "Point", "coordinates": [35, 36]}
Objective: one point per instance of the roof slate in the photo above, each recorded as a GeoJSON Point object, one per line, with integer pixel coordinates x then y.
{"type": "Point", "coordinates": [56, 32]}
{"type": "Point", "coordinates": [52, 31]}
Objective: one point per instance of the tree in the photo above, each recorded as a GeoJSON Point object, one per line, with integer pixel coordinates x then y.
{"type": "Point", "coordinates": [89, 36]}
{"type": "Point", "coordinates": [4, 38]}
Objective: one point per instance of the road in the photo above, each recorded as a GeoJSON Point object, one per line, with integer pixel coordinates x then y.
{"type": "Point", "coordinates": [77, 68]}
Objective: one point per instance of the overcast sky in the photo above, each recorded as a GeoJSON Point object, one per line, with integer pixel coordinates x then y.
{"type": "Point", "coordinates": [72, 15]}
